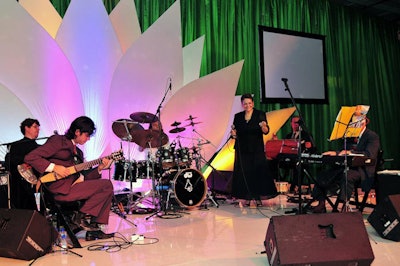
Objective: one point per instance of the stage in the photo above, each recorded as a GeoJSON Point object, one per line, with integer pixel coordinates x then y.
{"type": "Point", "coordinates": [230, 234]}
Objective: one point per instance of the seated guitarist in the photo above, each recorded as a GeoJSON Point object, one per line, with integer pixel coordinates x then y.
{"type": "Point", "coordinates": [61, 152]}
{"type": "Point", "coordinates": [367, 144]}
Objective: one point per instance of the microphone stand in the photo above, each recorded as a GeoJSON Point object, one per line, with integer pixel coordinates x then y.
{"type": "Point", "coordinates": [158, 115]}
{"type": "Point", "coordinates": [299, 150]}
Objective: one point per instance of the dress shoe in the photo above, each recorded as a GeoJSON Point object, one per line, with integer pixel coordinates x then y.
{"type": "Point", "coordinates": [319, 209]}
{"type": "Point", "coordinates": [79, 219]}
{"type": "Point", "coordinates": [93, 235]}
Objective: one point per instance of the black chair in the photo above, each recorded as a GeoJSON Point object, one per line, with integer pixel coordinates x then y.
{"type": "Point", "coordinates": [62, 212]}
{"type": "Point", "coordinates": [379, 165]}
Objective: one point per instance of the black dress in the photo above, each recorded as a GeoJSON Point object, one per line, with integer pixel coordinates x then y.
{"type": "Point", "coordinates": [251, 176]}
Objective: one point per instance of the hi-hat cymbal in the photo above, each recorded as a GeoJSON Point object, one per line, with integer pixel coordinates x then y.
{"type": "Point", "coordinates": [177, 130]}
{"type": "Point", "coordinates": [150, 138]}
{"type": "Point", "coordinates": [125, 128]}
{"type": "Point", "coordinates": [175, 124]}
{"type": "Point", "coordinates": [143, 117]}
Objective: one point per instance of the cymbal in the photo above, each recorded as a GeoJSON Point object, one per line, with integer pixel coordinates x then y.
{"type": "Point", "coordinates": [143, 117]}
{"type": "Point", "coordinates": [193, 123]}
{"type": "Point", "coordinates": [191, 118]}
{"type": "Point", "coordinates": [175, 124]}
{"type": "Point", "coordinates": [149, 137]}
{"type": "Point", "coordinates": [177, 130]}
{"type": "Point", "coordinates": [125, 127]}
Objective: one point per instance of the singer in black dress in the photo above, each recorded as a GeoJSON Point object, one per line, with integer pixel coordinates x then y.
{"type": "Point", "coordinates": [252, 179]}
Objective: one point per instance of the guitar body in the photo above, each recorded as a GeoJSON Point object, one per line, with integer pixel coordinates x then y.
{"type": "Point", "coordinates": [50, 177]}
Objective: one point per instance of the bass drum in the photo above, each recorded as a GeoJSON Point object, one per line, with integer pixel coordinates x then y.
{"type": "Point", "coordinates": [189, 187]}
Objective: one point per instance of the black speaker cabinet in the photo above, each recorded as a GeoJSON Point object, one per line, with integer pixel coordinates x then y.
{"type": "Point", "coordinates": [388, 184]}
{"type": "Point", "coordinates": [318, 239]}
{"type": "Point", "coordinates": [25, 234]}
{"type": "Point", "coordinates": [385, 218]}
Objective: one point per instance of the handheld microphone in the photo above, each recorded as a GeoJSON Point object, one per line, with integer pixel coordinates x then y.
{"type": "Point", "coordinates": [232, 137]}
{"type": "Point", "coordinates": [284, 79]}
{"type": "Point", "coordinates": [170, 84]}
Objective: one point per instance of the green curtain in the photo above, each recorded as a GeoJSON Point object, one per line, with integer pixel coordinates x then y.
{"type": "Point", "coordinates": [362, 52]}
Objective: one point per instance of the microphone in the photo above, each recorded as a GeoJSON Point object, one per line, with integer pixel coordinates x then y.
{"type": "Point", "coordinates": [56, 132]}
{"type": "Point", "coordinates": [232, 137]}
{"type": "Point", "coordinates": [170, 84]}
{"type": "Point", "coordinates": [284, 79]}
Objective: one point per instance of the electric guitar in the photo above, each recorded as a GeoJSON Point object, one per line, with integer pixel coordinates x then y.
{"type": "Point", "coordinates": [26, 171]}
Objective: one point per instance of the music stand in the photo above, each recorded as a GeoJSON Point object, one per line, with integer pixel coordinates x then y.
{"type": "Point", "coordinates": [347, 126]}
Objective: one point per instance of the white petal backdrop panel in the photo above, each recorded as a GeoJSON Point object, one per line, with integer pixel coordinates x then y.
{"type": "Point", "coordinates": [44, 13]}
{"type": "Point", "coordinates": [192, 54]}
{"type": "Point", "coordinates": [35, 70]}
{"type": "Point", "coordinates": [210, 100]}
{"type": "Point", "coordinates": [126, 23]}
{"type": "Point", "coordinates": [88, 39]}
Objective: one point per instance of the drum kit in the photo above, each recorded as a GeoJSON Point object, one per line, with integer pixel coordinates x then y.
{"type": "Point", "coordinates": [169, 167]}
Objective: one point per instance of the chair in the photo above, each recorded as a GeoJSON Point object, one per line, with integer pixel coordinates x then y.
{"type": "Point", "coordinates": [62, 212]}
{"type": "Point", "coordinates": [379, 164]}
{"type": "Point", "coordinates": [361, 205]}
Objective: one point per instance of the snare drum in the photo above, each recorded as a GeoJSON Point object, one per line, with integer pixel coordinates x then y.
{"type": "Point", "coordinates": [166, 156]}
{"type": "Point", "coordinates": [189, 188]}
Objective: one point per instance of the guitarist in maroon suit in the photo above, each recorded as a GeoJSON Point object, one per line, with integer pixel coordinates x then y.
{"type": "Point", "coordinates": [61, 152]}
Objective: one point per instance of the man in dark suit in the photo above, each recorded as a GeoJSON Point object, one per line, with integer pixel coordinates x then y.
{"type": "Point", "coordinates": [367, 144]}
{"type": "Point", "coordinates": [61, 152]}
{"type": "Point", "coordinates": [21, 191]}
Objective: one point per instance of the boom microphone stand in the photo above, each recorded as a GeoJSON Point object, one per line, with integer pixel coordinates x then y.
{"type": "Point", "coordinates": [299, 152]}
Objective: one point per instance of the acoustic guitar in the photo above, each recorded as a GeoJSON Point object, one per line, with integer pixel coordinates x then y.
{"type": "Point", "coordinates": [26, 171]}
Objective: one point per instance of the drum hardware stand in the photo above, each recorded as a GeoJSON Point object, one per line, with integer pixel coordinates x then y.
{"type": "Point", "coordinates": [152, 193]}
{"type": "Point", "coordinates": [198, 160]}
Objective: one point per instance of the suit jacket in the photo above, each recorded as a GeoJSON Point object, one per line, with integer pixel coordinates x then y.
{"type": "Point", "coordinates": [368, 145]}
{"type": "Point", "coordinates": [58, 149]}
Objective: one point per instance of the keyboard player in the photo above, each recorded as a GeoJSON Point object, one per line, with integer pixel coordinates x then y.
{"type": "Point", "coordinates": [367, 144]}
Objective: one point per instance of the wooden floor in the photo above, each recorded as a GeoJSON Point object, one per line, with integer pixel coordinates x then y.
{"type": "Point", "coordinates": [227, 234]}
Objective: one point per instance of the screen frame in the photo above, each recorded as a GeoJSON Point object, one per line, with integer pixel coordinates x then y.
{"type": "Point", "coordinates": [267, 97]}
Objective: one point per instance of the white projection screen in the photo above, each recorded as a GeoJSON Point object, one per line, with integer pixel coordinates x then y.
{"type": "Point", "coordinates": [297, 58]}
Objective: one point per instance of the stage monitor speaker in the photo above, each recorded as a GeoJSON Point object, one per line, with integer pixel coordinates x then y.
{"type": "Point", "coordinates": [385, 218]}
{"type": "Point", "coordinates": [25, 234]}
{"type": "Point", "coordinates": [318, 239]}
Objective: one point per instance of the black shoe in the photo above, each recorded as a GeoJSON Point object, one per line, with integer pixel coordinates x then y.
{"type": "Point", "coordinates": [319, 209]}
{"type": "Point", "coordinates": [93, 235]}
{"type": "Point", "coordinates": [79, 219]}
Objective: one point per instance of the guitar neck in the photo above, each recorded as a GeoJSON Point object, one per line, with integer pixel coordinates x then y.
{"type": "Point", "coordinates": [86, 165]}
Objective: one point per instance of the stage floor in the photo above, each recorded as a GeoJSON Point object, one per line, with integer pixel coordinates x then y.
{"type": "Point", "coordinates": [230, 234]}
